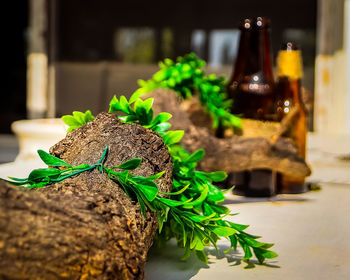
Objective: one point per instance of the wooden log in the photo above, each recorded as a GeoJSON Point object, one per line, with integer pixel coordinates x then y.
{"type": "Point", "coordinates": [236, 153]}
{"type": "Point", "coordinates": [85, 227]}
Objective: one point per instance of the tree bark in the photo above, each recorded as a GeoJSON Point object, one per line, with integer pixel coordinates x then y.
{"type": "Point", "coordinates": [232, 154]}
{"type": "Point", "coordinates": [84, 227]}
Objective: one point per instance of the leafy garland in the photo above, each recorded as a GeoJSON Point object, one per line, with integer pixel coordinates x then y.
{"type": "Point", "coordinates": [186, 76]}
{"type": "Point", "coordinates": [193, 216]}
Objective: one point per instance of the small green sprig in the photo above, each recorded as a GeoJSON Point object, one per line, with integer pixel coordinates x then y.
{"type": "Point", "coordinates": [193, 215]}
{"type": "Point", "coordinates": [42, 177]}
{"type": "Point", "coordinates": [212, 95]}
{"type": "Point", "coordinates": [77, 119]}
{"type": "Point", "coordinates": [186, 76]}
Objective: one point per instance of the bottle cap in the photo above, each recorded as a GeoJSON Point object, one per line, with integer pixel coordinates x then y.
{"type": "Point", "coordinates": [246, 24]}
{"type": "Point", "coordinates": [289, 46]}
{"type": "Point", "coordinates": [262, 22]}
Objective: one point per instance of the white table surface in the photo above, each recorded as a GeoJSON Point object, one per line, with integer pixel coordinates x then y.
{"type": "Point", "coordinates": [311, 233]}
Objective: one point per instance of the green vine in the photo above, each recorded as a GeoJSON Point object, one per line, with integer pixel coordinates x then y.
{"type": "Point", "coordinates": [186, 76]}
{"type": "Point", "coordinates": [193, 215]}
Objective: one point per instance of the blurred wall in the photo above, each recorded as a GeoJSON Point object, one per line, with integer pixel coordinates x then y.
{"type": "Point", "coordinates": [102, 49]}
{"type": "Point", "coordinates": [332, 88]}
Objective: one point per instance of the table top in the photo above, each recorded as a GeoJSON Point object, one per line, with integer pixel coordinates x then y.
{"type": "Point", "coordinates": [310, 232]}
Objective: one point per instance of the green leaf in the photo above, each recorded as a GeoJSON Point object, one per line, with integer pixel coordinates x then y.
{"type": "Point", "coordinates": [258, 255]}
{"type": "Point", "coordinates": [142, 204]}
{"type": "Point", "coordinates": [233, 240]}
{"type": "Point", "coordinates": [194, 241]}
{"type": "Point", "coordinates": [137, 94]}
{"type": "Point", "coordinates": [217, 176]}
{"type": "Point", "coordinates": [220, 209]}
{"type": "Point", "coordinates": [147, 104]}
{"type": "Point", "coordinates": [187, 253]}
{"type": "Point", "coordinates": [201, 197]}
{"type": "Point", "coordinates": [252, 242]}
{"type": "Point", "coordinates": [178, 192]}
{"type": "Point", "coordinates": [207, 209]}
{"type": "Point", "coordinates": [41, 173]}
{"type": "Point", "coordinates": [196, 156]}
{"type": "Point", "coordinates": [70, 120]}
{"type": "Point", "coordinates": [156, 176]}
{"type": "Point", "coordinates": [79, 116]}
{"type": "Point", "coordinates": [160, 118]}
{"type": "Point", "coordinates": [215, 194]}
{"type": "Point", "coordinates": [124, 104]}
{"type": "Point", "coordinates": [199, 245]}
{"type": "Point", "coordinates": [160, 221]}
{"type": "Point", "coordinates": [114, 105]}
{"type": "Point", "coordinates": [238, 227]}
{"type": "Point", "coordinates": [150, 192]}
{"type": "Point", "coordinates": [162, 127]}
{"type": "Point", "coordinates": [223, 231]}
{"type": "Point", "coordinates": [262, 254]}
{"type": "Point", "coordinates": [270, 255]}
{"type": "Point", "coordinates": [138, 105]}
{"type": "Point", "coordinates": [162, 216]}
{"type": "Point", "coordinates": [159, 76]}
{"type": "Point", "coordinates": [88, 116]}
{"type": "Point", "coordinates": [173, 137]}
{"type": "Point", "coordinates": [199, 218]}
{"type": "Point", "coordinates": [17, 179]}
{"type": "Point", "coordinates": [247, 252]}
{"type": "Point", "coordinates": [38, 185]}
{"type": "Point", "coordinates": [244, 234]}
{"type": "Point", "coordinates": [130, 164]}
{"type": "Point", "coordinates": [77, 119]}
{"type": "Point", "coordinates": [202, 256]}
{"type": "Point", "coordinates": [139, 180]}
{"type": "Point", "coordinates": [267, 245]}
{"type": "Point", "coordinates": [173, 203]}
{"type": "Point", "coordinates": [51, 160]}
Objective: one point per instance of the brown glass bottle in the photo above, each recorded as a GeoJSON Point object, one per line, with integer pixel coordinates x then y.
{"type": "Point", "coordinates": [289, 102]}
{"type": "Point", "coordinates": [252, 84]}
{"type": "Point", "coordinates": [252, 89]}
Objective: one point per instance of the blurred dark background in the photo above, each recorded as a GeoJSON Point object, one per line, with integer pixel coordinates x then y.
{"type": "Point", "coordinates": [100, 48]}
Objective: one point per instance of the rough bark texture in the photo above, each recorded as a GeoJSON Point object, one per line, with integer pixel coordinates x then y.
{"type": "Point", "coordinates": [232, 154]}
{"type": "Point", "coordinates": [84, 227]}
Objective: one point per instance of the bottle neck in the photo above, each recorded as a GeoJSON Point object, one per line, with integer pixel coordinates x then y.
{"type": "Point", "coordinates": [289, 64]}
{"type": "Point", "coordinates": [260, 60]}
{"type": "Point", "coordinates": [254, 56]}
{"type": "Point", "coordinates": [243, 54]}
{"type": "Point", "coordinates": [289, 73]}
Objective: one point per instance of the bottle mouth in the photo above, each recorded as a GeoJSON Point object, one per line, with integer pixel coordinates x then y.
{"type": "Point", "coordinates": [261, 22]}
{"type": "Point", "coordinates": [289, 46]}
{"type": "Point", "coordinates": [246, 24]}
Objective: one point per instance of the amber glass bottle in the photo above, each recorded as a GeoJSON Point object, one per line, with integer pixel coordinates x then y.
{"type": "Point", "coordinates": [289, 101]}
{"type": "Point", "coordinates": [252, 89]}
{"type": "Point", "coordinates": [252, 85]}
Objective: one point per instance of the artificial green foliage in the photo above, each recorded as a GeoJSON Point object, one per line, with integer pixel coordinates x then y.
{"type": "Point", "coordinates": [42, 177]}
{"type": "Point", "coordinates": [77, 119]}
{"type": "Point", "coordinates": [195, 217]}
{"type": "Point", "coordinates": [193, 214]}
{"type": "Point", "coordinates": [186, 76]}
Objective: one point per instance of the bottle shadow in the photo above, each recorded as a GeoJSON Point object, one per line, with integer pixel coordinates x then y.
{"type": "Point", "coordinates": [236, 199]}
